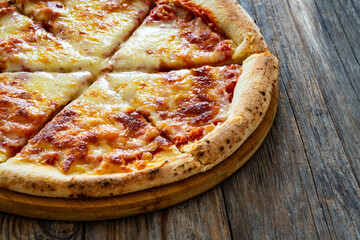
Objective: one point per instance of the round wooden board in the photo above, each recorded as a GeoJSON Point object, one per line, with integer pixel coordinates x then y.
{"type": "Point", "coordinates": [139, 202]}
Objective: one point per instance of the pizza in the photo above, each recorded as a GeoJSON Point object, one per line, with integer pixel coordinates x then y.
{"type": "Point", "coordinates": [29, 100]}
{"type": "Point", "coordinates": [103, 98]}
{"type": "Point", "coordinates": [94, 28]}
{"type": "Point", "coordinates": [180, 34]}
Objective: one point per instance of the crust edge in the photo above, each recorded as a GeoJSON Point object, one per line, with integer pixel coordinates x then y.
{"type": "Point", "coordinates": [49, 182]}
{"type": "Point", "coordinates": [238, 25]}
{"type": "Point", "coordinates": [251, 100]}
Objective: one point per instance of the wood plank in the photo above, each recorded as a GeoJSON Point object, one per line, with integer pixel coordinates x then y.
{"type": "Point", "coordinates": [334, 172]}
{"type": "Point", "coordinates": [201, 218]}
{"type": "Point", "coordinates": [341, 19]}
{"type": "Point", "coordinates": [15, 227]}
{"type": "Point", "coordinates": [273, 196]}
{"type": "Point", "coordinates": [285, 205]}
{"type": "Point", "coordinates": [343, 74]}
{"type": "Point", "coordinates": [324, 167]}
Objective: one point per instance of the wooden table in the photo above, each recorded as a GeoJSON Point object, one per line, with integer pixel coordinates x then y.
{"type": "Point", "coordinates": [304, 180]}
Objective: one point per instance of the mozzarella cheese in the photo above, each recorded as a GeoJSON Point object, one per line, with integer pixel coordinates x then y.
{"type": "Point", "coordinates": [28, 100]}
{"type": "Point", "coordinates": [95, 28]}
{"type": "Point", "coordinates": [25, 46]}
{"type": "Point", "coordinates": [98, 133]}
{"type": "Point", "coordinates": [172, 37]}
{"type": "Point", "coordinates": [184, 105]}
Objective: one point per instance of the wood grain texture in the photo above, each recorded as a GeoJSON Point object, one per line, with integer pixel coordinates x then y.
{"type": "Point", "coordinates": [322, 103]}
{"type": "Point", "coordinates": [303, 183]}
{"type": "Point", "coordinates": [203, 218]}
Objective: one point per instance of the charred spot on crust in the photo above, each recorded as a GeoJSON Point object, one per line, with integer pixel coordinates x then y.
{"type": "Point", "coordinates": [106, 183]}
{"type": "Point", "coordinates": [222, 148]}
{"type": "Point", "coordinates": [207, 141]}
{"type": "Point", "coordinates": [262, 93]}
{"type": "Point", "coordinates": [228, 141]}
{"type": "Point", "coordinates": [200, 154]}
{"type": "Point", "coordinates": [154, 171]}
{"type": "Point", "coordinates": [71, 185]}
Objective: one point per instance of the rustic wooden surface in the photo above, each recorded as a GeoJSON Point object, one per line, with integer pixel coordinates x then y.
{"type": "Point", "coordinates": [303, 183]}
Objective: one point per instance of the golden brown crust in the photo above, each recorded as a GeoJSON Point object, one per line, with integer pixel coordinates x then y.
{"type": "Point", "coordinates": [238, 25]}
{"type": "Point", "coordinates": [251, 100]}
{"type": "Point", "coordinates": [48, 181]}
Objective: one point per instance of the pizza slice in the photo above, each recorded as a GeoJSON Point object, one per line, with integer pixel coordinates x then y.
{"type": "Point", "coordinates": [26, 46]}
{"type": "Point", "coordinates": [27, 102]}
{"type": "Point", "coordinates": [97, 146]}
{"type": "Point", "coordinates": [207, 111]}
{"type": "Point", "coordinates": [95, 28]}
{"type": "Point", "coordinates": [189, 33]}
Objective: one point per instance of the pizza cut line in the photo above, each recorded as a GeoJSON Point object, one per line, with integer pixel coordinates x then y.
{"type": "Point", "coordinates": [29, 100]}
{"type": "Point", "coordinates": [176, 87]}
{"type": "Point", "coordinates": [95, 28]}
{"type": "Point", "coordinates": [186, 34]}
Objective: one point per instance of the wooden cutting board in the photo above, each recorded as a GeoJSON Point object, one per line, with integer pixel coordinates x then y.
{"type": "Point", "coordinates": [139, 202]}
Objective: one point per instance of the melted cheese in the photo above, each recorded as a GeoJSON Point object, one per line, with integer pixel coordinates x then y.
{"type": "Point", "coordinates": [96, 28]}
{"type": "Point", "coordinates": [25, 46]}
{"type": "Point", "coordinates": [184, 105]}
{"type": "Point", "coordinates": [172, 37]}
{"type": "Point", "coordinates": [28, 100]}
{"type": "Point", "coordinates": [98, 133]}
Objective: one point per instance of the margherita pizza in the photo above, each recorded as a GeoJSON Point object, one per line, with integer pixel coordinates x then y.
{"type": "Point", "coordinates": [177, 87]}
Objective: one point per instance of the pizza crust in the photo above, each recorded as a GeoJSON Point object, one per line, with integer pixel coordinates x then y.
{"type": "Point", "coordinates": [250, 102]}
{"type": "Point", "coordinates": [42, 180]}
{"type": "Point", "coordinates": [237, 25]}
